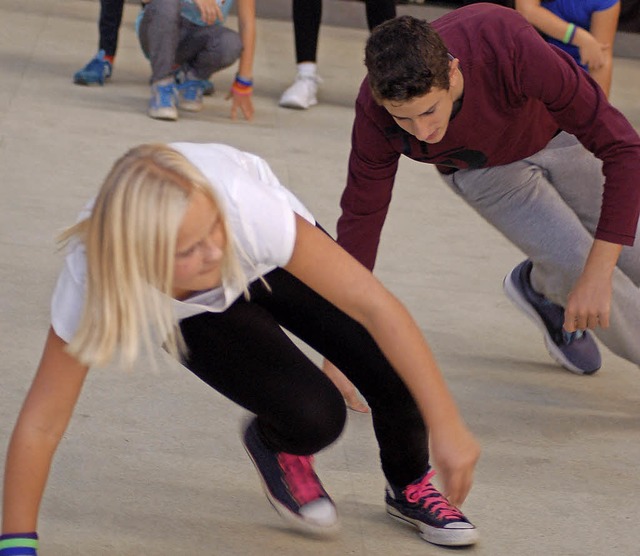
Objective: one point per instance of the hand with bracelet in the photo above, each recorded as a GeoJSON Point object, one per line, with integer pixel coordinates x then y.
{"type": "Point", "coordinates": [584, 30]}
{"type": "Point", "coordinates": [592, 52]}
{"type": "Point", "coordinates": [240, 94]}
{"type": "Point", "coordinates": [19, 544]}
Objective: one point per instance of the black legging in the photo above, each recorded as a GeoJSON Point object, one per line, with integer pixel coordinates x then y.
{"type": "Point", "coordinates": [109, 25]}
{"type": "Point", "coordinates": [306, 23]}
{"type": "Point", "coordinates": [245, 355]}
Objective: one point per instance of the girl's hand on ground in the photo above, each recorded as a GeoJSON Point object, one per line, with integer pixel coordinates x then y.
{"type": "Point", "coordinates": [242, 102]}
{"type": "Point", "coordinates": [348, 390]}
{"type": "Point", "coordinates": [355, 402]}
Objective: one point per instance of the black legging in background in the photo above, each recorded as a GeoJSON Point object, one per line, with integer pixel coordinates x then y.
{"type": "Point", "coordinates": [306, 23]}
{"type": "Point", "coordinates": [244, 354]}
{"type": "Point", "coordinates": [109, 25]}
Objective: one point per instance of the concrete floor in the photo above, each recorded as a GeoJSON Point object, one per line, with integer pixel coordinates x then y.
{"type": "Point", "coordinates": [152, 463]}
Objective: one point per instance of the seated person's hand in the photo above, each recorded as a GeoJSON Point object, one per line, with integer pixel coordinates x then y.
{"type": "Point", "coordinates": [241, 94]}
{"type": "Point", "coordinates": [209, 11]}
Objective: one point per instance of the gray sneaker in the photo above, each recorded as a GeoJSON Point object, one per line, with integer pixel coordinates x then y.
{"type": "Point", "coordinates": [575, 351]}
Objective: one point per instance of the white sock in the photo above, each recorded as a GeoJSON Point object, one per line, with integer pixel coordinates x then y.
{"type": "Point", "coordinates": [164, 81]}
{"type": "Point", "coordinates": [307, 69]}
{"type": "Point", "coordinates": [190, 75]}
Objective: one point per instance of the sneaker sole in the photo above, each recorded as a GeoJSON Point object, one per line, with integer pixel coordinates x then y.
{"type": "Point", "coordinates": [514, 295]}
{"type": "Point", "coordinates": [88, 83]}
{"type": "Point", "coordinates": [190, 106]}
{"type": "Point", "coordinates": [297, 105]}
{"type": "Point", "coordinates": [290, 517]}
{"type": "Point", "coordinates": [166, 116]}
{"type": "Point", "coordinates": [434, 535]}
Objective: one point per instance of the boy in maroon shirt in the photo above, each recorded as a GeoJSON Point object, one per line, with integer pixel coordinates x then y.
{"type": "Point", "coordinates": [519, 131]}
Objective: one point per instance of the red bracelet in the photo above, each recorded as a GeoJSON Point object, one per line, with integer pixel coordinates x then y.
{"type": "Point", "coordinates": [240, 89]}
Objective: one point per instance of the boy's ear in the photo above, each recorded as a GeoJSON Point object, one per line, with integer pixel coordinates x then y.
{"type": "Point", "coordinates": [453, 66]}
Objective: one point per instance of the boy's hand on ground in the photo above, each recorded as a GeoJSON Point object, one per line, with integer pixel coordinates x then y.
{"type": "Point", "coordinates": [455, 453]}
{"type": "Point", "coordinates": [588, 304]}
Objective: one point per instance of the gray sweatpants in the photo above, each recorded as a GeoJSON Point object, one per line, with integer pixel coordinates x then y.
{"type": "Point", "coordinates": [169, 40]}
{"type": "Point", "coordinates": [548, 205]}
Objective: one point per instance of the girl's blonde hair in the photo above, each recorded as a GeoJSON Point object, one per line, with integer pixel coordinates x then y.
{"type": "Point", "coordinates": [130, 240]}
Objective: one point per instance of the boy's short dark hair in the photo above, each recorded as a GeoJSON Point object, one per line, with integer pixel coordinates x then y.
{"type": "Point", "coordinates": [406, 58]}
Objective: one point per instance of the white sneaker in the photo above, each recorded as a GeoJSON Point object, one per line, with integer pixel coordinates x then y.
{"type": "Point", "coordinates": [302, 94]}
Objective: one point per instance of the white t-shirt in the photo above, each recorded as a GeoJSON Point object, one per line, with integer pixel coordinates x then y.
{"type": "Point", "coordinates": [259, 210]}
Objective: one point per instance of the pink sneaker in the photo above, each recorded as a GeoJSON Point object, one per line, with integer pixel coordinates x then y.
{"type": "Point", "coordinates": [292, 486]}
{"type": "Point", "coordinates": [420, 504]}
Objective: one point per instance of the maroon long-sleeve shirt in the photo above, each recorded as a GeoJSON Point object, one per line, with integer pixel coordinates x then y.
{"type": "Point", "coordinates": [518, 92]}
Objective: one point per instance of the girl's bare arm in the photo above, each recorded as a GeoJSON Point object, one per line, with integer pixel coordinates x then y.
{"type": "Point", "coordinates": [42, 421]}
{"type": "Point", "coordinates": [329, 270]}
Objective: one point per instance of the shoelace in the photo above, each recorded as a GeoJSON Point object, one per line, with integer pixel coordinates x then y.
{"type": "Point", "coordinates": [569, 337]}
{"type": "Point", "coordinates": [426, 494]}
{"type": "Point", "coordinates": [99, 66]}
{"type": "Point", "coordinates": [164, 94]}
{"type": "Point", "coordinates": [192, 89]}
{"type": "Point", "coordinates": [300, 477]}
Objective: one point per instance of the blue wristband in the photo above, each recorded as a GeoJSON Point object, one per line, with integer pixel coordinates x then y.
{"type": "Point", "coordinates": [19, 544]}
{"type": "Point", "coordinates": [245, 82]}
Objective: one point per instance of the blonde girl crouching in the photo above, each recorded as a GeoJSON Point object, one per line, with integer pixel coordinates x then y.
{"type": "Point", "coordinates": [199, 248]}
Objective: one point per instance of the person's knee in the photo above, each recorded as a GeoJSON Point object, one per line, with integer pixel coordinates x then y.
{"type": "Point", "coordinates": [159, 26]}
{"type": "Point", "coordinates": [168, 10]}
{"type": "Point", "coordinates": [323, 425]}
{"type": "Point", "coordinates": [310, 426]}
{"type": "Point", "coordinates": [230, 49]}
